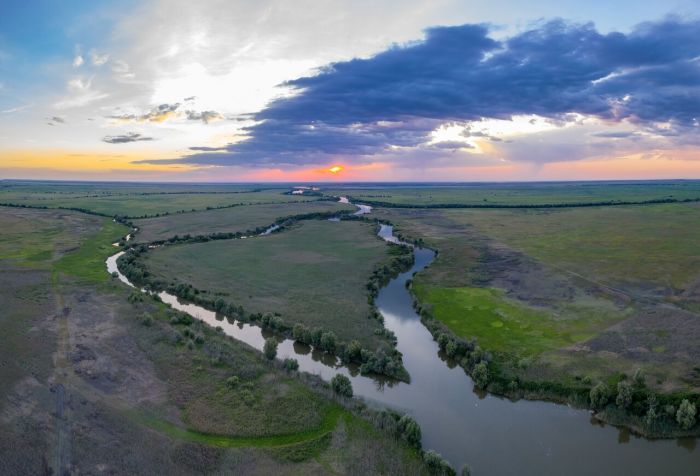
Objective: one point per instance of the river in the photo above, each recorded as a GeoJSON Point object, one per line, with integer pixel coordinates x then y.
{"type": "Point", "coordinates": [493, 435]}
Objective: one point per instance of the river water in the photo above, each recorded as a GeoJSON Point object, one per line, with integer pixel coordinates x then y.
{"type": "Point", "coordinates": [493, 435]}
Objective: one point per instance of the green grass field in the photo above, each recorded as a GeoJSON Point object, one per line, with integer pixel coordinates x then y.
{"type": "Point", "coordinates": [230, 220]}
{"type": "Point", "coordinates": [644, 245]}
{"type": "Point", "coordinates": [314, 273]}
{"type": "Point", "coordinates": [137, 201]}
{"type": "Point", "coordinates": [523, 194]}
{"type": "Point", "coordinates": [568, 286]}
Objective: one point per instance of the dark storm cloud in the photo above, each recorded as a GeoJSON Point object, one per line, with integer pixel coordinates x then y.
{"type": "Point", "coordinates": [364, 106]}
{"type": "Point", "coordinates": [126, 138]}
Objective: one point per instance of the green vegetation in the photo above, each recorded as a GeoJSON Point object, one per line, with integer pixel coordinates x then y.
{"type": "Point", "coordinates": [228, 220]}
{"type": "Point", "coordinates": [313, 274]}
{"type": "Point", "coordinates": [134, 366]}
{"type": "Point", "coordinates": [342, 385]}
{"type": "Point", "coordinates": [138, 202]}
{"type": "Point", "coordinates": [494, 195]}
{"type": "Point", "coordinates": [501, 324]}
{"type": "Point", "coordinates": [270, 348]}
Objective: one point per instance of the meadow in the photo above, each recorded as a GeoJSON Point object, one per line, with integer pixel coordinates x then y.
{"type": "Point", "coordinates": [577, 292]}
{"type": "Point", "coordinates": [96, 380]}
{"type": "Point", "coordinates": [515, 194]}
{"type": "Point", "coordinates": [227, 220]}
{"type": "Point", "coordinates": [314, 273]}
{"type": "Point", "coordinates": [136, 201]}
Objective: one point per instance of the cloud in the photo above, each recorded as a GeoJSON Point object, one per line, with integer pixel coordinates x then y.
{"type": "Point", "coordinates": [80, 93]}
{"type": "Point", "coordinates": [165, 112]}
{"type": "Point", "coordinates": [78, 61]}
{"type": "Point", "coordinates": [560, 71]}
{"type": "Point", "coordinates": [204, 116]}
{"type": "Point", "coordinates": [98, 59]}
{"type": "Point", "coordinates": [158, 114]}
{"type": "Point", "coordinates": [126, 138]}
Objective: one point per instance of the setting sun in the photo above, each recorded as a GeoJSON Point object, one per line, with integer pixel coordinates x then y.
{"type": "Point", "coordinates": [335, 169]}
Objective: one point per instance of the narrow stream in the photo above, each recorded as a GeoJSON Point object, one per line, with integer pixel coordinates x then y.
{"type": "Point", "coordinates": [493, 435]}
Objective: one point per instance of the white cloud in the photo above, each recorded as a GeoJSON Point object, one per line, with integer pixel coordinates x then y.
{"type": "Point", "coordinates": [78, 61]}
{"type": "Point", "coordinates": [98, 59]}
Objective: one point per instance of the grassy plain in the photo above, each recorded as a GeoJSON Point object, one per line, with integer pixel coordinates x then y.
{"type": "Point", "coordinates": [138, 201]}
{"type": "Point", "coordinates": [227, 220]}
{"type": "Point", "coordinates": [314, 273]}
{"type": "Point", "coordinates": [578, 292]}
{"type": "Point", "coordinates": [87, 387]}
{"type": "Point", "coordinates": [523, 194]}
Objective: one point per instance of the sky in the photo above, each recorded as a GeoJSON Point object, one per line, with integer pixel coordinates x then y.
{"type": "Point", "coordinates": [357, 90]}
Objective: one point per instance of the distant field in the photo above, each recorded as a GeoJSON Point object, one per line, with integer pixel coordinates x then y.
{"type": "Point", "coordinates": [524, 194]}
{"type": "Point", "coordinates": [148, 205]}
{"type": "Point", "coordinates": [232, 220]}
{"type": "Point", "coordinates": [569, 286]}
{"type": "Point", "coordinates": [314, 273]}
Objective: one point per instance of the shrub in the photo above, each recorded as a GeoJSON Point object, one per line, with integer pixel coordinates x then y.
{"type": "Point", "coordinates": [410, 431]}
{"type": "Point", "coordinates": [639, 377]}
{"type": "Point", "coordinates": [328, 341]}
{"type": "Point", "coordinates": [624, 394]}
{"type": "Point", "coordinates": [342, 385]}
{"type": "Point", "coordinates": [354, 350]}
{"type": "Point", "coordinates": [290, 364]}
{"type": "Point", "coordinates": [598, 395]}
{"type": "Point", "coordinates": [299, 332]}
{"type": "Point", "coordinates": [686, 415]}
{"type": "Point", "coordinates": [436, 464]}
{"type": "Point", "coordinates": [480, 374]}
{"type": "Point", "coordinates": [270, 348]}
{"type": "Point", "coordinates": [233, 381]}
{"type": "Point", "coordinates": [147, 320]}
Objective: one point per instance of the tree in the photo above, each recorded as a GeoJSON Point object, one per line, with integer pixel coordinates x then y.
{"type": "Point", "coordinates": [270, 348]}
{"type": "Point", "coordinates": [437, 464]}
{"type": "Point", "coordinates": [639, 377]}
{"type": "Point", "coordinates": [480, 374]}
{"type": "Point", "coordinates": [410, 430]}
{"type": "Point", "coordinates": [328, 341]}
{"type": "Point", "coordinates": [355, 351]}
{"type": "Point", "coordinates": [624, 394]}
{"type": "Point", "coordinates": [685, 416]}
{"type": "Point", "coordinates": [598, 395]}
{"type": "Point", "coordinates": [299, 332]}
{"type": "Point", "coordinates": [342, 385]}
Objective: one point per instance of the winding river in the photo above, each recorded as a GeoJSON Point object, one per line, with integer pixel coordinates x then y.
{"type": "Point", "coordinates": [493, 435]}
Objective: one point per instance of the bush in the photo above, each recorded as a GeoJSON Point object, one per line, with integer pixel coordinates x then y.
{"type": "Point", "coordinates": [686, 415]}
{"type": "Point", "coordinates": [436, 464]}
{"type": "Point", "coordinates": [598, 395]}
{"type": "Point", "coordinates": [233, 381]}
{"type": "Point", "coordinates": [480, 374]}
{"type": "Point", "coordinates": [410, 431]}
{"type": "Point", "coordinates": [146, 319]}
{"type": "Point", "coordinates": [354, 351]}
{"type": "Point", "coordinates": [328, 341]}
{"type": "Point", "coordinates": [624, 394]}
{"type": "Point", "coordinates": [290, 364]}
{"type": "Point", "coordinates": [270, 348]}
{"type": "Point", "coordinates": [300, 333]}
{"type": "Point", "coordinates": [342, 385]}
